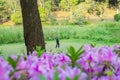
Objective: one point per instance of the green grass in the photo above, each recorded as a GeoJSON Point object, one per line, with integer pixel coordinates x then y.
{"type": "Point", "coordinates": [98, 31]}
{"type": "Point", "coordinates": [15, 48]}
{"type": "Point", "coordinates": [19, 48]}
{"type": "Point", "coordinates": [11, 34]}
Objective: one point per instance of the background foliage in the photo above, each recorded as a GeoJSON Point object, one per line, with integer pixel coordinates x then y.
{"type": "Point", "coordinates": [49, 10]}
{"type": "Point", "coordinates": [4, 11]}
{"type": "Point", "coordinates": [100, 31]}
{"type": "Point", "coordinates": [117, 17]}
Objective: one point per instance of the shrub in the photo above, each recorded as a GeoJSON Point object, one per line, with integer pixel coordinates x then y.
{"type": "Point", "coordinates": [42, 14]}
{"type": "Point", "coordinates": [4, 11]}
{"type": "Point", "coordinates": [52, 20]}
{"type": "Point", "coordinates": [16, 18]}
{"type": "Point", "coordinates": [80, 21]}
{"type": "Point", "coordinates": [117, 17]}
{"type": "Point", "coordinates": [63, 22]}
{"type": "Point", "coordinates": [74, 55]}
{"type": "Point", "coordinates": [11, 35]}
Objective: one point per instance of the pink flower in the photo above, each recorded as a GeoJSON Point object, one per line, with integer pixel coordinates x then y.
{"type": "Point", "coordinates": [4, 72]}
{"type": "Point", "coordinates": [105, 54]}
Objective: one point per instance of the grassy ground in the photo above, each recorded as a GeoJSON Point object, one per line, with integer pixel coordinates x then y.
{"type": "Point", "coordinates": [19, 48]}
{"type": "Point", "coordinates": [97, 31]}
{"type": "Point", "coordinates": [100, 33]}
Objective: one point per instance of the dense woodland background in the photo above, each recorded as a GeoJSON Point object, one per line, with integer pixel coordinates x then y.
{"type": "Point", "coordinates": [62, 11]}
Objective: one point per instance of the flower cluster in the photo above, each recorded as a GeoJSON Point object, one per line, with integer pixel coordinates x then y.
{"type": "Point", "coordinates": [95, 63]}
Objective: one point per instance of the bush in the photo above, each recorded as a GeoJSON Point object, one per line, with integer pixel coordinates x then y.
{"type": "Point", "coordinates": [4, 11]}
{"type": "Point", "coordinates": [52, 20]}
{"type": "Point", "coordinates": [11, 35]}
{"type": "Point", "coordinates": [42, 14]}
{"type": "Point", "coordinates": [117, 17]}
{"type": "Point", "coordinates": [80, 21]}
{"type": "Point", "coordinates": [16, 18]}
{"type": "Point", "coordinates": [63, 22]}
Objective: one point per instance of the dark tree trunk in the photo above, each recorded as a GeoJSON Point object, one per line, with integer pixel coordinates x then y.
{"type": "Point", "coordinates": [33, 34]}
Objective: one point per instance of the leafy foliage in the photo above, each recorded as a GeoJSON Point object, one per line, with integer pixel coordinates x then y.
{"type": "Point", "coordinates": [97, 8]}
{"type": "Point", "coordinates": [113, 3]}
{"type": "Point", "coordinates": [42, 14]}
{"type": "Point", "coordinates": [11, 35]}
{"type": "Point", "coordinates": [80, 21]}
{"type": "Point", "coordinates": [46, 7]}
{"type": "Point", "coordinates": [64, 4]}
{"type": "Point", "coordinates": [109, 72]}
{"type": "Point", "coordinates": [13, 62]}
{"type": "Point", "coordinates": [4, 11]}
{"type": "Point", "coordinates": [117, 17]}
{"type": "Point", "coordinates": [16, 17]}
{"type": "Point", "coordinates": [100, 0]}
{"type": "Point", "coordinates": [100, 31]}
{"type": "Point", "coordinates": [39, 51]}
{"type": "Point", "coordinates": [52, 20]}
{"type": "Point", "coordinates": [41, 77]}
{"type": "Point", "coordinates": [74, 55]}
{"type": "Point", "coordinates": [56, 76]}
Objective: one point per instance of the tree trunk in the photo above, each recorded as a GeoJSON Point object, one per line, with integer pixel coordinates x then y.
{"type": "Point", "coordinates": [71, 14]}
{"type": "Point", "coordinates": [117, 10]}
{"type": "Point", "coordinates": [33, 34]}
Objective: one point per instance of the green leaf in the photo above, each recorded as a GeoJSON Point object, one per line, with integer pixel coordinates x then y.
{"type": "Point", "coordinates": [76, 78]}
{"type": "Point", "coordinates": [111, 67]}
{"type": "Point", "coordinates": [69, 56]}
{"type": "Point", "coordinates": [80, 53]}
{"type": "Point", "coordinates": [79, 49]}
{"type": "Point", "coordinates": [56, 76]}
{"type": "Point", "coordinates": [110, 73]}
{"type": "Point", "coordinates": [39, 51]}
{"type": "Point", "coordinates": [67, 78]}
{"type": "Point", "coordinates": [74, 55]}
{"type": "Point", "coordinates": [42, 77]}
{"type": "Point", "coordinates": [71, 50]}
{"type": "Point", "coordinates": [13, 62]}
{"type": "Point", "coordinates": [93, 45]}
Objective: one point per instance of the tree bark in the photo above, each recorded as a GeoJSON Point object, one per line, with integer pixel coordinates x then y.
{"type": "Point", "coordinates": [33, 33]}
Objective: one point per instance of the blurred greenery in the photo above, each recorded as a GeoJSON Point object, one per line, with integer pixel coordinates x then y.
{"type": "Point", "coordinates": [74, 22]}
{"type": "Point", "coordinates": [11, 35]}
{"type": "Point", "coordinates": [117, 17]}
{"type": "Point", "coordinates": [4, 11]}
{"type": "Point", "coordinates": [16, 17]}
{"type": "Point", "coordinates": [74, 55]}
{"type": "Point", "coordinates": [19, 48]}
{"type": "Point", "coordinates": [10, 10]}
{"type": "Point", "coordinates": [100, 31]}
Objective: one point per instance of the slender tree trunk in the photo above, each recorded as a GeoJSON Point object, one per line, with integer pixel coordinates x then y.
{"type": "Point", "coordinates": [33, 34]}
{"type": "Point", "coordinates": [71, 14]}
{"type": "Point", "coordinates": [117, 7]}
{"type": "Point", "coordinates": [43, 3]}
{"type": "Point", "coordinates": [117, 10]}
